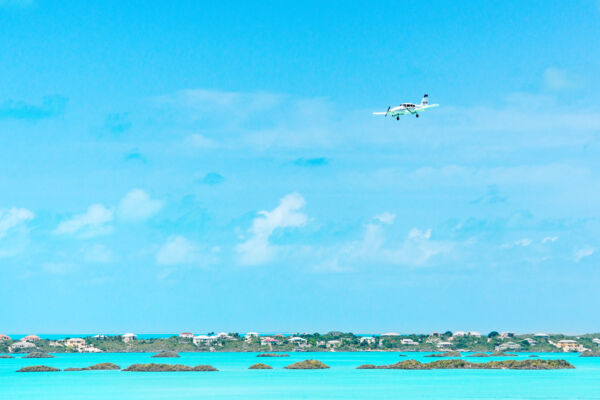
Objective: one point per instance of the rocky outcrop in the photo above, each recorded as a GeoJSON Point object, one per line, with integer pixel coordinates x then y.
{"type": "Point", "coordinates": [445, 354]}
{"type": "Point", "coordinates": [479, 355]}
{"type": "Point", "coordinates": [502, 354]}
{"type": "Point", "coordinates": [166, 354]}
{"type": "Point", "coordinates": [589, 353]}
{"type": "Point", "coordinates": [97, 367]}
{"type": "Point", "coordinates": [38, 368]}
{"type": "Point", "coordinates": [273, 355]}
{"type": "Point", "coordinates": [463, 364]}
{"type": "Point", "coordinates": [307, 364]}
{"type": "Point", "coordinates": [152, 367]}
{"type": "Point", "coordinates": [260, 366]}
{"type": "Point", "coordinates": [5, 356]}
{"type": "Point", "coordinates": [38, 354]}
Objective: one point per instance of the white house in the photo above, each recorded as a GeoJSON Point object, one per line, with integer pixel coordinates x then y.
{"type": "Point", "coordinates": [75, 343]}
{"type": "Point", "coordinates": [474, 334]}
{"type": "Point", "coordinates": [508, 346]}
{"type": "Point", "coordinates": [251, 335]}
{"type": "Point", "coordinates": [298, 340]}
{"type": "Point", "coordinates": [333, 343]}
{"type": "Point", "coordinates": [409, 342]}
{"type": "Point", "coordinates": [203, 339]}
{"type": "Point", "coordinates": [596, 340]}
{"type": "Point", "coordinates": [186, 335]}
{"type": "Point", "coordinates": [367, 339]}
{"type": "Point", "coordinates": [5, 337]}
{"type": "Point", "coordinates": [265, 341]}
{"type": "Point", "coordinates": [223, 335]}
{"type": "Point", "coordinates": [459, 334]}
{"type": "Point", "coordinates": [530, 341]}
{"type": "Point", "coordinates": [444, 344]}
{"type": "Point", "coordinates": [129, 337]}
{"type": "Point", "coordinates": [390, 334]}
{"type": "Point", "coordinates": [506, 335]}
{"type": "Point", "coordinates": [541, 335]}
{"type": "Point", "coordinates": [21, 346]}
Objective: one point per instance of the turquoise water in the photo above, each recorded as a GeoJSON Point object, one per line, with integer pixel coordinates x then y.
{"type": "Point", "coordinates": [342, 381]}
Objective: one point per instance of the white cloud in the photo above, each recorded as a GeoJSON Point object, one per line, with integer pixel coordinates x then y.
{"type": "Point", "coordinates": [91, 223]}
{"type": "Point", "coordinates": [13, 218]}
{"type": "Point", "coordinates": [200, 142]}
{"type": "Point", "coordinates": [550, 239]}
{"type": "Point", "coordinates": [180, 251]}
{"type": "Point", "coordinates": [523, 242]}
{"type": "Point", "coordinates": [386, 218]}
{"type": "Point", "coordinates": [98, 254]}
{"type": "Point", "coordinates": [257, 249]}
{"type": "Point", "coordinates": [557, 79]}
{"type": "Point", "coordinates": [137, 205]}
{"type": "Point", "coordinates": [416, 249]}
{"type": "Point", "coordinates": [57, 268]}
{"type": "Point", "coordinates": [195, 104]}
{"type": "Point", "coordinates": [584, 252]}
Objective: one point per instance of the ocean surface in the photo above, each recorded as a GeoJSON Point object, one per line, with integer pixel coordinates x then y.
{"type": "Point", "coordinates": [341, 381]}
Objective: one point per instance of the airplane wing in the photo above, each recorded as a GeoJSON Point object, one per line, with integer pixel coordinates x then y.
{"type": "Point", "coordinates": [379, 113]}
{"type": "Point", "coordinates": [428, 106]}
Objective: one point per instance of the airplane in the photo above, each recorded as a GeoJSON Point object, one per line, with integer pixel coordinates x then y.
{"type": "Point", "coordinates": [408, 108]}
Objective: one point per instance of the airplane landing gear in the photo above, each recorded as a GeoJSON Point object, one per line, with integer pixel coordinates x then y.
{"type": "Point", "coordinates": [417, 115]}
{"type": "Point", "coordinates": [397, 118]}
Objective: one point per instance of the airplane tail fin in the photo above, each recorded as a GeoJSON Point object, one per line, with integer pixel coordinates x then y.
{"type": "Point", "coordinates": [425, 100]}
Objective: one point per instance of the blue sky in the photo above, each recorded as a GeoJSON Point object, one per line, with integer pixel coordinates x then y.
{"type": "Point", "coordinates": [169, 167]}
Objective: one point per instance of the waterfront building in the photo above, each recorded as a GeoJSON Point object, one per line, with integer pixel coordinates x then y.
{"type": "Point", "coordinates": [297, 340]}
{"type": "Point", "coordinates": [5, 337]}
{"type": "Point", "coordinates": [268, 340]}
{"type": "Point", "coordinates": [368, 339]}
{"type": "Point", "coordinates": [508, 346]}
{"type": "Point", "coordinates": [567, 345]}
{"type": "Point", "coordinates": [186, 335]}
{"type": "Point", "coordinates": [129, 337]}
{"type": "Point", "coordinates": [409, 342]}
{"type": "Point", "coordinates": [21, 346]}
{"type": "Point", "coordinates": [30, 338]}
{"type": "Point", "coordinates": [76, 343]}
{"type": "Point", "coordinates": [203, 339]}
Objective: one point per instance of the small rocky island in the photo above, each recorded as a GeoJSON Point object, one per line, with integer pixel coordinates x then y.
{"type": "Point", "coordinates": [503, 354]}
{"type": "Point", "coordinates": [445, 354]}
{"type": "Point", "coordinates": [5, 356]}
{"type": "Point", "coordinates": [589, 353]}
{"type": "Point", "coordinates": [260, 366]}
{"type": "Point", "coordinates": [462, 364]}
{"type": "Point", "coordinates": [38, 354]}
{"type": "Point", "coordinates": [38, 368]}
{"type": "Point", "coordinates": [152, 367]}
{"type": "Point", "coordinates": [166, 354]}
{"type": "Point", "coordinates": [106, 366]}
{"type": "Point", "coordinates": [307, 364]}
{"type": "Point", "coordinates": [273, 355]}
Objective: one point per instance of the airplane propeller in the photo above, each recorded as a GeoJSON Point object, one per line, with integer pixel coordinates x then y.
{"type": "Point", "coordinates": [388, 111]}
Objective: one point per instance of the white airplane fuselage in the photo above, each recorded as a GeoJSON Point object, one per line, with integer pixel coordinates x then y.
{"type": "Point", "coordinates": [408, 108]}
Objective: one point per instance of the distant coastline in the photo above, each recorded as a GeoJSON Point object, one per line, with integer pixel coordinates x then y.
{"type": "Point", "coordinates": [315, 342]}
